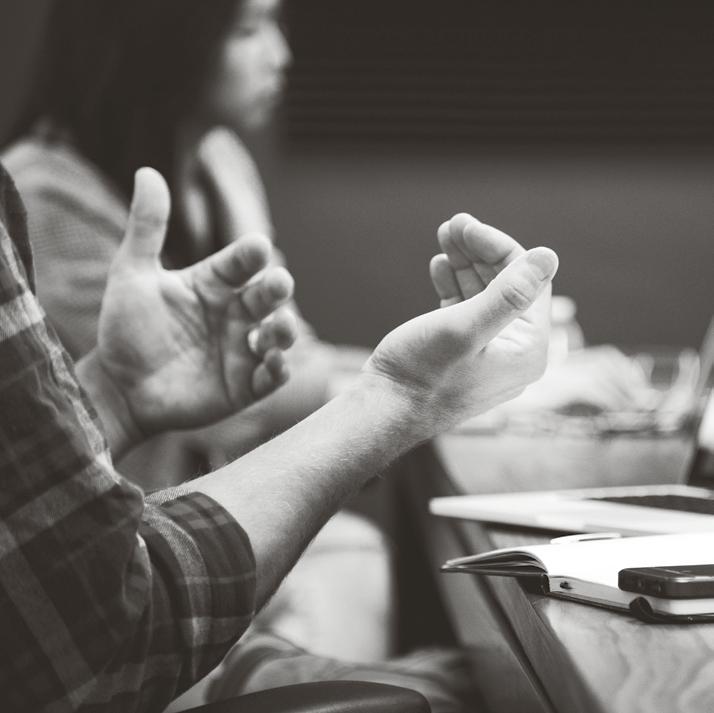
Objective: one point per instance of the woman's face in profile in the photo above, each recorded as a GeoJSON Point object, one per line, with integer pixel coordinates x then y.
{"type": "Point", "coordinates": [252, 65]}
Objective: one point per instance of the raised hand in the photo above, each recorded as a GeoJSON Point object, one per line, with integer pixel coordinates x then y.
{"type": "Point", "coordinates": [184, 348]}
{"type": "Point", "coordinates": [489, 340]}
{"type": "Point", "coordinates": [473, 254]}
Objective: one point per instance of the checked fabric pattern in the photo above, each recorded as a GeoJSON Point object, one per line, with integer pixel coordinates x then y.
{"type": "Point", "coordinates": [108, 602]}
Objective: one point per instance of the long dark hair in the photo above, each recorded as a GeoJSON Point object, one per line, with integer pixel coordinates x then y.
{"type": "Point", "coordinates": [121, 75]}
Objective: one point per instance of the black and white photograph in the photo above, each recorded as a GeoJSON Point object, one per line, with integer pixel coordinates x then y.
{"type": "Point", "coordinates": [356, 356]}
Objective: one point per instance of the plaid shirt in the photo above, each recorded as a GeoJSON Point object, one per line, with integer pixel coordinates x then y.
{"type": "Point", "coordinates": [107, 602]}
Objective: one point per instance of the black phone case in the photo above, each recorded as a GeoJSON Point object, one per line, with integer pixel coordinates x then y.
{"type": "Point", "coordinates": [641, 608]}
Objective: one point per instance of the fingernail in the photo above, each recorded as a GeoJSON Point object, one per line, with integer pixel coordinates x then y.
{"type": "Point", "coordinates": [544, 261]}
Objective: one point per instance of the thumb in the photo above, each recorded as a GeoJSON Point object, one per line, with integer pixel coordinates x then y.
{"type": "Point", "coordinates": [148, 217]}
{"type": "Point", "coordinates": [510, 294]}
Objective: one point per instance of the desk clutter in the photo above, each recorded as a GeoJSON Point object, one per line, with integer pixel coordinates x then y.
{"type": "Point", "coordinates": [601, 391]}
{"type": "Point", "coordinates": [661, 578]}
{"type": "Point", "coordinates": [663, 396]}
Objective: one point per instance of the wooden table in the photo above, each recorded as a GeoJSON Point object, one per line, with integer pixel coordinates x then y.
{"type": "Point", "coordinates": [532, 653]}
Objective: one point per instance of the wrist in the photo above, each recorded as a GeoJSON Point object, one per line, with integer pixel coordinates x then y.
{"type": "Point", "coordinates": [120, 427]}
{"type": "Point", "coordinates": [410, 420]}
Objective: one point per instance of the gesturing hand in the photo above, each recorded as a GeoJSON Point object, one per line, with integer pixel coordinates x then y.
{"type": "Point", "coordinates": [473, 254]}
{"type": "Point", "coordinates": [489, 340]}
{"type": "Point", "coordinates": [184, 348]}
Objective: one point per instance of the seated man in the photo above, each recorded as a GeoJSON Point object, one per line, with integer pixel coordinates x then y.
{"type": "Point", "coordinates": [110, 602]}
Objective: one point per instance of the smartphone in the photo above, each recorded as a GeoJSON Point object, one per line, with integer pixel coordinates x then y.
{"type": "Point", "coordinates": [676, 582]}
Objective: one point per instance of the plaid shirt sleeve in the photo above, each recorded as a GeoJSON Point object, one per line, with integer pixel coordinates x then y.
{"type": "Point", "coordinates": [107, 603]}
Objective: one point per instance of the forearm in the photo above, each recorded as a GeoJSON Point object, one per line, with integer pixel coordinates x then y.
{"type": "Point", "coordinates": [284, 491]}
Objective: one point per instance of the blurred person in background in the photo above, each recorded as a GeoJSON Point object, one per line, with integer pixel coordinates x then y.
{"type": "Point", "coordinates": [171, 85]}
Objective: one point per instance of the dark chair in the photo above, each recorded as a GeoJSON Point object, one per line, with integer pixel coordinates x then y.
{"type": "Point", "coordinates": [324, 697]}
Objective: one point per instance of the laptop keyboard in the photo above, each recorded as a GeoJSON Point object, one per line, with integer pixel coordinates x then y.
{"type": "Point", "coordinates": [683, 503]}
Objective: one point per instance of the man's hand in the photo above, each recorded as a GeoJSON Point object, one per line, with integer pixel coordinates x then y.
{"type": "Point", "coordinates": [184, 348]}
{"type": "Point", "coordinates": [423, 377]}
{"type": "Point", "coordinates": [489, 340]}
{"type": "Point", "coordinates": [473, 254]}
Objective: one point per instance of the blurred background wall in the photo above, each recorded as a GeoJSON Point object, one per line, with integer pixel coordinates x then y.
{"type": "Point", "coordinates": [21, 22]}
{"type": "Point", "coordinates": [589, 128]}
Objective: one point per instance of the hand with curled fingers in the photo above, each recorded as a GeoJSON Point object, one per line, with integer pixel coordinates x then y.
{"type": "Point", "coordinates": [187, 347]}
{"type": "Point", "coordinates": [489, 339]}
{"type": "Point", "coordinates": [599, 379]}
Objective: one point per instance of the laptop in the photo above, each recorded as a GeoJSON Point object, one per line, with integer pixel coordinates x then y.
{"type": "Point", "coordinates": [684, 506]}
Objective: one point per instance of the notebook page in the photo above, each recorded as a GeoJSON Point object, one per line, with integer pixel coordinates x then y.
{"type": "Point", "coordinates": [601, 560]}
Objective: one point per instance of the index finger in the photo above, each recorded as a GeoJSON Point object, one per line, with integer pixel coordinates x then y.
{"type": "Point", "coordinates": [468, 280]}
{"type": "Point", "coordinates": [489, 248]}
{"type": "Point", "coordinates": [476, 251]}
{"type": "Point", "coordinates": [233, 266]}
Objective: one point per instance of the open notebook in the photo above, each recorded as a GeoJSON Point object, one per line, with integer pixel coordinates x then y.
{"type": "Point", "coordinates": [587, 571]}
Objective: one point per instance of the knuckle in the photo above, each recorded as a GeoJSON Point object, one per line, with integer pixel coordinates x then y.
{"type": "Point", "coordinates": [249, 256]}
{"type": "Point", "coordinates": [516, 295]}
{"type": "Point", "coordinates": [279, 283]}
{"type": "Point", "coordinates": [148, 219]}
{"type": "Point", "coordinates": [264, 303]}
{"type": "Point", "coordinates": [285, 337]}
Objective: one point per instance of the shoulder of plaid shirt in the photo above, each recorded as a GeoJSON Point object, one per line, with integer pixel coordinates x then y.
{"type": "Point", "coordinates": [107, 602]}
